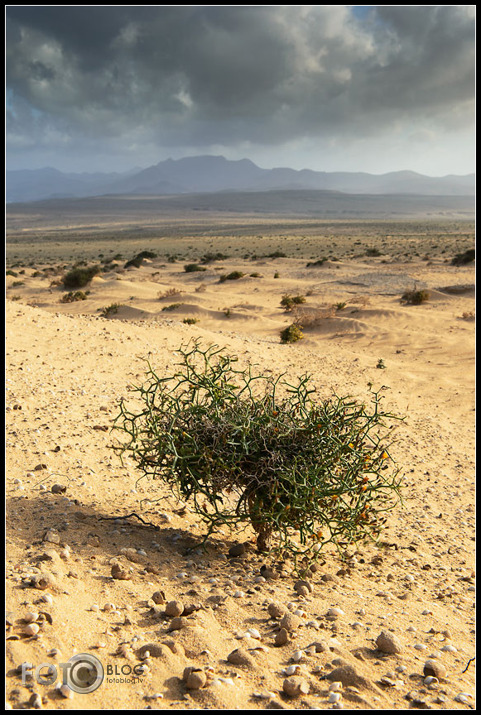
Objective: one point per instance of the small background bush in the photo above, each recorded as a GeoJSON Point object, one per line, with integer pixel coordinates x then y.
{"type": "Point", "coordinates": [415, 297]}
{"type": "Point", "coordinates": [80, 277]}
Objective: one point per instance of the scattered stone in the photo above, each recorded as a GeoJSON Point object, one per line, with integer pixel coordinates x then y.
{"type": "Point", "coordinates": [334, 697]}
{"type": "Point", "coordinates": [58, 489]}
{"type": "Point", "coordinates": [154, 650]}
{"type": "Point", "coordinates": [294, 686]}
{"type": "Point", "coordinates": [290, 622]}
{"type": "Point", "coordinates": [269, 573]}
{"type": "Point", "coordinates": [282, 637]}
{"type": "Point", "coordinates": [52, 536]}
{"type": "Point", "coordinates": [35, 701]}
{"type": "Point", "coordinates": [30, 617]}
{"type": "Point", "coordinates": [435, 668]}
{"type": "Point", "coordinates": [275, 610]}
{"type": "Point", "coordinates": [43, 581]}
{"type": "Point", "coordinates": [120, 573]}
{"type": "Point", "coordinates": [177, 623]}
{"type": "Point", "coordinates": [389, 643]}
{"type": "Point", "coordinates": [195, 678]}
{"type": "Point", "coordinates": [240, 656]}
{"type": "Point", "coordinates": [237, 550]}
{"type": "Point", "coordinates": [174, 608]}
{"type": "Point", "coordinates": [303, 588]}
{"type": "Point", "coordinates": [349, 676]}
{"type": "Point", "coordinates": [158, 597]}
{"type": "Point", "coordinates": [334, 613]}
{"type": "Point", "coordinates": [65, 691]}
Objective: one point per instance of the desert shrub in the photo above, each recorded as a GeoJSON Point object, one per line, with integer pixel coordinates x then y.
{"type": "Point", "coordinates": [135, 262]}
{"type": "Point", "coordinates": [111, 309]}
{"type": "Point", "coordinates": [248, 449]}
{"type": "Point", "coordinates": [11, 273]}
{"type": "Point", "coordinates": [415, 297]}
{"type": "Point", "coordinates": [169, 293]}
{"type": "Point", "coordinates": [320, 262]}
{"type": "Point", "coordinates": [193, 268]}
{"type": "Point", "coordinates": [16, 284]}
{"type": "Point", "coordinates": [172, 306]}
{"type": "Point", "coordinates": [138, 259]}
{"type": "Point", "coordinates": [461, 259]}
{"type": "Point", "coordinates": [340, 306]}
{"type": "Point", "coordinates": [79, 277]}
{"type": "Point", "coordinates": [373, 252]}
{"type": "Point", "coordinates": [234, 276]}
{"type": "Point", "coordinates": [211, 257]}
{"type": "Point", "coordinates": [292, 333]}
{"type": "Point", "coordinates": [190, 321]}
{"type": "Point", "coordinates": [290, 301]}
{"type": "Point", "coordinates": [276, 254]}
{"type": "Point", "coordinates": [73, 297]}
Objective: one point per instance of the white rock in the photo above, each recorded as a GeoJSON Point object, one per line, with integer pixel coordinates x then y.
{"type": "Point", "coordinates": [32, 629]}
{"type": "Point", "coordinates": [65, 691]}
{"type": "Point", "coordinates": [334, 697]}
{"type": "Point", "coordinates": [333, 613]}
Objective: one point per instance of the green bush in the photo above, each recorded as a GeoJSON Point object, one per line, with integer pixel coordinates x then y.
{"type": "Point", "coordinates": [320, 262]}
{"type": "Point", "coordinates": [415, 297]}
{"type": "Point", "coordinates": [292, 333]}
{"type": "Point", "coordinates": [289, 301]}
{"type": "Point", "coordinates": [461, 259]}
{"type": "Point", "coordinates": [74, 297]}
{"type": "Point", "coordinates": [234, 276]}
{"type": "Point", "coordinates": [80, 277]}
{"type": "Point", "coordinates": [193, 268]}
{"type": "Point", "coordinates": [247, 449]}
{"type": "Point", "coordinates": [111, 309]}
{"type": "Point", "coordinates": [172, 306]}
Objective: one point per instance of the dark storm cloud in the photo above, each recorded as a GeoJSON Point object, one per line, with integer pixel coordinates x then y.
{"type": "Point", "coordinates": [199, 75]}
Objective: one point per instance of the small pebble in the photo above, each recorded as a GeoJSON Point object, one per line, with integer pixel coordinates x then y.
{"type": "Point", "coordinates": [35, 701]}
{"type": "Point", "coordinates": [275, 610]}
{"type": "Point", "coordinates": [174, 608]}
{"type": "Point", "coordinates": [195, 678]}
{"type": "Point", "coordinates": [334, 613]}
{"type": "Point", "coordinates": [334, 697]}
{"type": "Point", "coordinates": [462, 698]}
{"type": "Point", "coordinates": [435, 668]}
{"type": "Point", "coordinates": [30, 617]}
{"type": "Point", "coordinates": [290, 622]}
{"type": "Point", "coordinates": [449, 648]}
{"type": "Point", "coordinates": [297, 656]}
{"type": "Point", "coordinates": [32, 629]}
{"type": "Point", "coordinates": [291, 669]}
{"type": "Point", "coordinates": [295, 686]}
{"type": "Point", "coordinates": [65, 691]}
{"type": "Point", "coordinates": [282, 637]}
{"type": "Point", "coordinates": [389, 643]}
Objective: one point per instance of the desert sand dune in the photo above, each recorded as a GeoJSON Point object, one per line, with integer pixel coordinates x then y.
{"type": "Point", "coordinates": [68, 366]}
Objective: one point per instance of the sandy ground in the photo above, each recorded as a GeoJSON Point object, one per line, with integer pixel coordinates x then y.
{"type": "Point", "coordinates": [67, 367]}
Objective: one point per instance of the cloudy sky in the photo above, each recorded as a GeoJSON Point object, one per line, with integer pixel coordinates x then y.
{"type": "Point", "coordinates": [332, 88]}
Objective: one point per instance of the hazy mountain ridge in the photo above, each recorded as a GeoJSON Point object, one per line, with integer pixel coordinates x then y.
{"type": "Point", "coordinates": [206, 174]}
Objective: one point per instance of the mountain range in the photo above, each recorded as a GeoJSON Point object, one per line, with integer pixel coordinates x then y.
{"type": "Point", "coordinates": [208, 174]}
